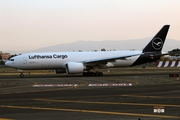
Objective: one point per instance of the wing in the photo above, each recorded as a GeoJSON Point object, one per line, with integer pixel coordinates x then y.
{"type": "Point", "coordinates": [106, 60]}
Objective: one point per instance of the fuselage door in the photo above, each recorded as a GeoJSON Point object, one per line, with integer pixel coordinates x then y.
{"type": "Point", "coordinates": [24, 60]}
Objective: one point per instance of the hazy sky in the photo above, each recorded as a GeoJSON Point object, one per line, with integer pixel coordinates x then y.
{"type": "Point", "coordinates": [33, 24]}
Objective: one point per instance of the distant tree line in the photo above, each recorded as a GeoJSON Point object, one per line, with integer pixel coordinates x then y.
{"type": "Point", "coordinates": [173, 55]}
{"type": "Point", "coordinates": [174, 52]}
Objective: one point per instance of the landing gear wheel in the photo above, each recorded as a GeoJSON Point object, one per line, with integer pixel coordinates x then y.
{"type": "Point", "coordinates": [92, 74]}
{"type": "Point", "coordinates": [96, 73]}
{"type": "Point", "coordinates": [84, 73]}
{"type": "Point", "coordinates": [100, 74]}
{"type": "Point", "coordinates": [21, 75]}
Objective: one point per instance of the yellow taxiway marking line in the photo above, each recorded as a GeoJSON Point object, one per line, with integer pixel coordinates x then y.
{"type": "Point", "coordinates": [144, 96]}
{"type": "Point", "coordinates": [111, 103]}
{"type": "Point", "coordinates": [15, 87]}
{"type": "Point", "coordinates": [91, 111]}
{"type": "Point", "coordinates": [5, 119]}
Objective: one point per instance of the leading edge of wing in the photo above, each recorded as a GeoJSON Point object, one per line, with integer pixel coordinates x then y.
{"type": "Point", "coordinates": [105, 60]}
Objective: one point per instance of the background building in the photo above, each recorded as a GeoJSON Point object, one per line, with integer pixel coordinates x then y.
{"type": "Point", "coordinates": [4, 56]}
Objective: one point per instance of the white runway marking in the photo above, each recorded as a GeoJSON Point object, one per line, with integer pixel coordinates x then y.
{"type": "Point", "coordinates": [90, 85]}
{"type": "Point", "coordinates": [55, 85]}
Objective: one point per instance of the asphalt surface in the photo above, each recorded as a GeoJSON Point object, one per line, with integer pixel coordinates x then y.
{"type": "Point", "coordinates": [110, 97]}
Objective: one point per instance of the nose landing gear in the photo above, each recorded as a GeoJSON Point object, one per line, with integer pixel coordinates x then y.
{"type": "Point", "coordinates": [21, 73]}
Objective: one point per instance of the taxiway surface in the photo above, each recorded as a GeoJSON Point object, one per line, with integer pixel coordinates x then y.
{"type": "Point", "coordinates": [111, 97]}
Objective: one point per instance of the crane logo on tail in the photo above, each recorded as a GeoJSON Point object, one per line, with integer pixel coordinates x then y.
{"type": "Point", "coordinates": [157, 43]}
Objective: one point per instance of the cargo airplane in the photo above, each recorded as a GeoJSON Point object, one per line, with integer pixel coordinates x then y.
{"type": "Point", "coordinates": [88, 63]}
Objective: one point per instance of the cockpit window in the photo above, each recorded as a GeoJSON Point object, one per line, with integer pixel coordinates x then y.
{"type": "Point", "coordinates": [11, 59]}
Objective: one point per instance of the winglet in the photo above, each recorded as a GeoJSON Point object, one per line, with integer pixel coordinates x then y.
{"type": "Point", "coordinates": [156, 44]}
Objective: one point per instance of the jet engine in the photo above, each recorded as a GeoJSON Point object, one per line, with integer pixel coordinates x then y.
{"type": "Point", "coordinates": [74, 68]}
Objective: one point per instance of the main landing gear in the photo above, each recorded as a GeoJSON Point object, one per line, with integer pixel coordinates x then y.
{"type": "Point", "coordinates": [92, 74]}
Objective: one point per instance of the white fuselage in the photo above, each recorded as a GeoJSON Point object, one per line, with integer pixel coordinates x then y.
{"type": "Point", "coordinates": [57, 60]}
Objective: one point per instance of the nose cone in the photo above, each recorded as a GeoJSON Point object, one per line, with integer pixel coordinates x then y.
{"type": "Point", "coordinates": [7, 63]}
